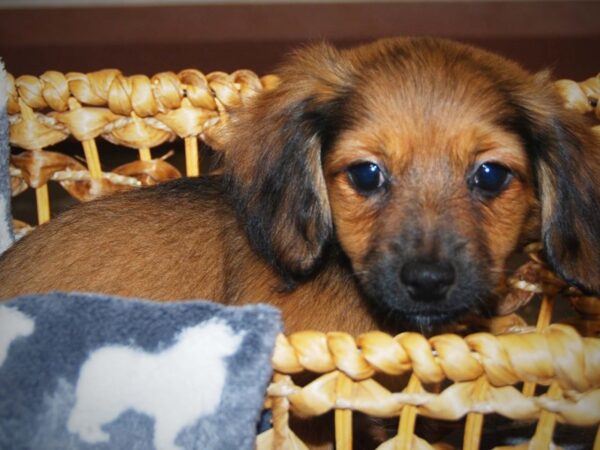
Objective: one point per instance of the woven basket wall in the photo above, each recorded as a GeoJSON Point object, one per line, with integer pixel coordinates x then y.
{"type": "Point", "coordinates": [545, 372]}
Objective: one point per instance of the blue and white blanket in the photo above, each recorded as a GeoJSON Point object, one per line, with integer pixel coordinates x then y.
{"type": "Point", "coordinates": [83, 371]}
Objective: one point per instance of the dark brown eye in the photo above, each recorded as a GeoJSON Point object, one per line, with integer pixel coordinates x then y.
{"type": "Point", "coordinates": [490, 178]}
{"type": "Point", "coordinates": [366, 177]}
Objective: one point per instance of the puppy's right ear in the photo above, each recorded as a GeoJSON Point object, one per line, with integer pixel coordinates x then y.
{"type": "Point", "coordinates": [273, 159]}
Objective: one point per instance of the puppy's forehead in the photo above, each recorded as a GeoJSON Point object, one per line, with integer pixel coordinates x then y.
{"type": "Point", "coordinates": [435, 92]}
{"type": "Point", "coordinates": [430, 75]}
{"type": "Point", "coordinates": [435, 102]}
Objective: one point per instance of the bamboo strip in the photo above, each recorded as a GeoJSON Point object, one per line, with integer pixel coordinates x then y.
{"type": "Point", "coordinates": [408, 417]}
{"type": "Point", "coordinates": [42, 200]}
{"type": "Point", "coordinates": [192, 158]}
{"type": "Point", "coordinates": [145, 154]}
{"type": "Point", "coordinates": [280, 418]}
{"type": "Point", "coordinates": [545, 314]}
{"type": "Point", "coordinates": [93, 160]}
{"type": "Point", "coordinates": [343, 417]}
{"type": "Point", "coordinates": [544, 319]}
{"type": "Point", "coordinates": [281, 411]}
{"type": "Point", "coordinates": [283, 438]}
{"type": "Point", "coordinates": [542, 439]}
{"type": "Point", "coordinates": [474, 423]}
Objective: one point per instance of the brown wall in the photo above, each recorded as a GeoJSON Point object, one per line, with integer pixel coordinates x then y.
{"type": "Point", "coordinates": [564, 35]}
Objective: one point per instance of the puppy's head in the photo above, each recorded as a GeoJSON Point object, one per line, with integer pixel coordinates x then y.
{"type": "Point", "coordinates": [427, 162]}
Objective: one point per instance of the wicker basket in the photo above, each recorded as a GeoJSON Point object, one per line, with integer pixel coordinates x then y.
{"type": "Point", "coordinates": [451, 376]}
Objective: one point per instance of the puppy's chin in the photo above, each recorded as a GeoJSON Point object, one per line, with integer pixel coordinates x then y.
{"type": "Point", "coordinates": [403, 316]}
{"type": "Point", "coordinates": [429, 319]}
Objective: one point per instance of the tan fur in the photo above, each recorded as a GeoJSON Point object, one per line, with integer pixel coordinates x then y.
{"type": "Point", "coordinates": [167, 249]}
{"type": "Point", "coordinates": [428, 111]}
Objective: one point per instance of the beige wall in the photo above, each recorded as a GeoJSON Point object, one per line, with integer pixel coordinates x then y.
{"type": "Point", "coordinates": [562, 35]}
{"type": "Point", "coordinates": [78, 3]}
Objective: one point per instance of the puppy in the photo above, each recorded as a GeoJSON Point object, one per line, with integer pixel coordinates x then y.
{"type": "Point", "coordinates": [376, 187]}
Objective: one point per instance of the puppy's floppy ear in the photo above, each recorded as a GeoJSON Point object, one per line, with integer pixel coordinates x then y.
{"type": "Point", "coordinates": [566, 161]}
{"type": "Point", "coordinates": [273, 159]}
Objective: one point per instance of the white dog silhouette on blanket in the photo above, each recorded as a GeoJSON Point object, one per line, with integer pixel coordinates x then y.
{"type": "Point", "coordinates": [176, 386]}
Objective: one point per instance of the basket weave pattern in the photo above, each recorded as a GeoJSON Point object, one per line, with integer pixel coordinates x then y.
{"type": "Point", "coordinates": [483, 372]}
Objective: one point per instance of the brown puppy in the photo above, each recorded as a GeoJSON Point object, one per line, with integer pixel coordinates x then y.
{"type": "Point", "coordinates": [377, 186]}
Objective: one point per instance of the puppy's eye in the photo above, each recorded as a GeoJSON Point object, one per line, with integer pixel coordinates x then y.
{"type": "Point", "coordinates": [490, 178]}
{"type": "Point", "coordinates": [366, 177]}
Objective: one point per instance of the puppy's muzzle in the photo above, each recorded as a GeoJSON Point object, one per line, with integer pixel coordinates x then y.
{"type": "Point", "coordinates": [427, 281]}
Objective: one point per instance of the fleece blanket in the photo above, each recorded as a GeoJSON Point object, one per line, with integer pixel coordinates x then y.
{"type": "Point", "coordinates": [83, 371]}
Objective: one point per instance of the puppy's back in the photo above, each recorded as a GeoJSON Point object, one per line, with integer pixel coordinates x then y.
{"type": "Point", "coordinates": [162, 242]}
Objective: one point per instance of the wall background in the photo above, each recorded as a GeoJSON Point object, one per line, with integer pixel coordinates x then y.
{"type": "Point", "coordinates": [148, 37]}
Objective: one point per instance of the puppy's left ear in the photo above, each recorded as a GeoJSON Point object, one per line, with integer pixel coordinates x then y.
{"type": "Point", "coordinates": [273, 159]}
{"type": "Point", "coordinates": [566, 161]}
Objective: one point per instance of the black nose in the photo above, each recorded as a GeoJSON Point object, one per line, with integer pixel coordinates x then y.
{"type": "Point", "coordinates": [427, 281]}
